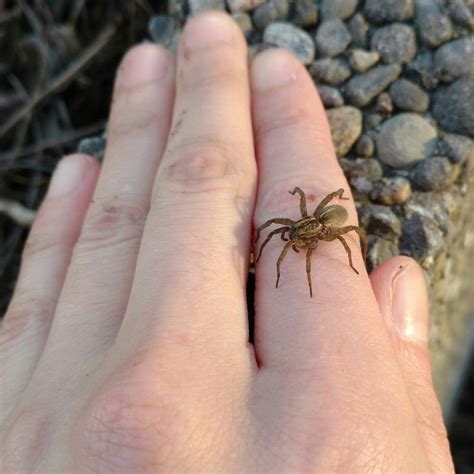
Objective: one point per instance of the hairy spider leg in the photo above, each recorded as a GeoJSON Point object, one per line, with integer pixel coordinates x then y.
{"type": "Point", "coordinates": [280, 259]}
{"type": "Point", "coordinates": [336, 232]}
{"type": "Point", "coordinates": [308, 270]}
{"type": "Point", "coordinates": [348, 250]}
{"type": "Point", "coordinates": [303, 210]}
{"type": "Point", "coordinates": [276, 220]}
{"type": "Point", "coordinates": [327, 199]}
{"type": "Point", "coordinates": [295, 249]}
{"type": "Point", "coordinates": [280, 230]}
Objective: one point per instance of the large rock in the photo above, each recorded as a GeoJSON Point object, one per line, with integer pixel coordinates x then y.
{"type": "Point", "coordinates": [407, 95]}
{"type": "Point", "coordinates": [405, 139]}
{"type": "Point", "coordinates": [455, 59]}
{"type": "Point", "coordinates": [346, 127]}
{"type": "Point", "coordinates": [396, 43]}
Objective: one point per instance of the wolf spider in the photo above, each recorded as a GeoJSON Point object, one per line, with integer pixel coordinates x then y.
{"type": "Point", "coordinates": [324, 224]}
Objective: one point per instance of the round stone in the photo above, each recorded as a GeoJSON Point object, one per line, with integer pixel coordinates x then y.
{"type": "Point", "coordinates": [389, 191]}
{"type": "Point", "coordinates": [364, 146]}
{"type": "Point", "coordinates": [434, 173]}
{"type": "Point", "coordinates": [362, 60]}
{"type": "Point", "coordinates": [457, 148]}
{"type": "Point", "coordinates": [306, 13]}
{"type": "Point", "coordinates": [268, 12]}
{"type": "Point", "coordinates": [162, 29]}
{"type": "Point", "coordinates": [358, 28]}
{"type": "Point", "coordinates": [435, 29]}
{"type": "Point", "coordinates": [396, 43]}
{"type": "Point", "coordinates": [342, 9]}
{"type": "Point", "coordinates": [455, 59]}
{"type": "Point", "coordinates": [332, 37]}
{"type": "Point", "coordinates": [236, 6]}
{"type": "Point", "coordinates": [408, 96]}
{"type": "Point", "coordinates": [381, 11]}
{"type": "Point", "coordinates": [380, 220]}
{"type": "Point", "coordinates": [346, 127]}
{"type": "Point", "coordinates": [331, 71]}
{"type": "Point", "coordinates": [291, 38]}
{"type": "Point", "coordinates": [330, 96]}
{"type": "Point", "coordinates": [405, 139]}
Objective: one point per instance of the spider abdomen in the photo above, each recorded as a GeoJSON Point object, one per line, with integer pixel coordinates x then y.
{"type": "Point", "coordinates": [334, 216]}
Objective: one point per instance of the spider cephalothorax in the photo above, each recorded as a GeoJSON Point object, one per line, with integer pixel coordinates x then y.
{"type": "Point", "coordinates": [324, 224]}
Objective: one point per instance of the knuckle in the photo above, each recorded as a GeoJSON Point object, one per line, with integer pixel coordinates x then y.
{"type": "Point", "coordinates": [200, 165]}
{"type": "Point", "coordinates": [112, 223]}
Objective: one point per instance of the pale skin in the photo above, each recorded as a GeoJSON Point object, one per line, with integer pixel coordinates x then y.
{"type": "Point", "coordinates": [125, 348]}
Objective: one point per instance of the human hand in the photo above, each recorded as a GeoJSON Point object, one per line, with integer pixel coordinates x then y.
{"type": "Point", "coordinates": [125, 347]}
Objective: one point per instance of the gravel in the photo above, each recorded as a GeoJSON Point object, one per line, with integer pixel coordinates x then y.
{"type": "Point", "coordinates": [330, 71]}
{"type": "Point", "coordinates": [379, 250]}
{"type": "Point", "coordinates": [359, 28]}
{"type": "Point", "coordinates": [332, 37]}
{"type": "Point", "coordinates": [435, 28]}
{"type": "Point", "coordinates": [461, 14]}
{"type": "Point", "coordinates": [408, 96]}
{"type": "Point", "coordinates": [381, 221]}
{"type": "Point", "coordinates": [330, 96]}
{"type": "Point", "coordinates": [384, 104]}
{"type": "Point", "coordinates": [291, 38]}
{"type": "Point", "coordinates": [389, 191]}
{"type": "Point", "coordinates": [365, 146]}
{"type": "Point", "coordinates": [396, 43]}
{"type": "Point", "coordinates": [306, 13]}
{"type": "Point", "coordinates": [243, 5]}
{"type": "Point", "coordinates": [244, 22]}
{"type": "Point", "coordinates": [381, 11]}
{"type": "Point", "coordinates": [342, 9]}
{"type": "Point", "coordinates": [362, 88]}
{"type": "Point", "coordinates": [269, 12]}
{"type": "Point", "coordinates": [457, 148]}
{"type": "Point", "coordinates": [434, 174]}
{"type": "Point", "coordinates": [405, 139]}
{"type": "Point", "coordinates": [346, 127]}
{"type": "Point", "coordinates": [420, 237]}
{"type": "Point", "coordinates": [455, 59]}
{"type": "Point", "coordinates": [368, 168]}
{"type": "Point", "coordinates": [453, 107]}
{"type": "Point", "coordinates": [196, 6]}
{"type": "Point", "coordinates": [362, 60]}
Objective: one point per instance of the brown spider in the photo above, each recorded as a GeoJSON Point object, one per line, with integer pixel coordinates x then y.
{"type": "Point", "coordinates": [324, 224]}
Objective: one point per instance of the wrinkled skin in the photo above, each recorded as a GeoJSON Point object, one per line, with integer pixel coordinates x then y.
{"type": "Point", "coordinates": [125, 347]}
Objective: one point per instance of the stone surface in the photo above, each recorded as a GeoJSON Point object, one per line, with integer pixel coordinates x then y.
{"type": "Point", "coordinates": [372, 120]}
{"type": "Point", "coordinates": [346, 127]}
{"type": "Point", "coordinates": [405, 139]}
{"type": "Point", "coordinates": [306, 13]}
{"type": "Point", "coordinates": [362, 60]}
{"type": "Point", "coordinates": [269, 12]}
{"type": "Point", "coordinates": [362, 88]}
{"type": "Point", "coordinates": [435, 28]}
{"type": "Point", "coordinates": [196, 6]}
{"type": "Point", "coordinates": [367, 168]}
{"type": "Point", "coordinates": [408, 96]}
{"type": "Point", "coordinates": [457, 148]}
{"type": "Point", "coordinates": [379, 250]}
{"type": "Point", "coordinates": [461, 14]}
{"type": "Point", "coordinates": [342, 9]}
{"type": "Point", "coordinates": [244, 22]}
{"type": "Point", "coordinates": [455, 59]}
{"type": "Point", "coordinates": [381, 11]}
{"type": "Point", "coordinates": [330, 96]}
{"type": "Point", "coordinates": [434, 173]}
{"type": "Point", "coordinates": [396, 43]}
{"type": "Point", "coordinates": [236, 6]}
{"type": "Point", "coordinates": [422, 69]}
{"type": "Point", "coordinates": [365, 146]}
{"type": "Point", "coordinates": [380, 220]}
{"type": "Point", "coordinates": [361, 188]}
{"type": "Point", "coordinates": [291, 38]}
{"type": "Point", "coordinates": [94, 146]}
{"type": "Point", "coordinates": [358, 29]}
{"type": "Point", "coordinates": [177, 9]}
{"type": "Point", "coordinates": [384, 103]}
{"type": "Point", "coordinates": [389, 191]}
{"type": "Point", "coordinates": [453, 107]}
{"type": "Point", "coordinates": [421, 237]}
{"type": "Point", "coordinates": [332, 37]}
{"type": "Point", "coordinates": [331, 71]}
{"type": "Point", "coordinates": [162, 29]}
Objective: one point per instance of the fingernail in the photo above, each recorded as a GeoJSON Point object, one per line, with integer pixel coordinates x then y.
{"type": "Point", "coordinates": [142, 64]}
{"type": "Point", "coordinates": [273, 68]}
{"type": "Point", "coordinates": [410, 311]}
{"type": "Point", "coordinates": [207, 29]}
{"type": "Point", "coordinates": [67, 176]}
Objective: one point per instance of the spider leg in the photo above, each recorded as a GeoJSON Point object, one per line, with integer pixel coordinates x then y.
{"type": "Point", "coordinates": [280, 259]}
{"type": "Point", "coordinates": [276, 220]}
{"type": "Point", "coordinates": [308, 270]}
{"type": "Point", "coordinates": [269, 236]}
{"type": "Point", "coordinates": [295, 249]}
{"type": "Point", "coordinates": [348, 250]}
{"type": "Point", "coordinates": [326, 200]}
{"type": "Point", "coordinates": [360, 232]}
{"type": "Point", "coordinates": [303, 210]}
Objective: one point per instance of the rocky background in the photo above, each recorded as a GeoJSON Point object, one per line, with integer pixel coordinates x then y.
{"type": "Point", "coordinates": [396, 78]}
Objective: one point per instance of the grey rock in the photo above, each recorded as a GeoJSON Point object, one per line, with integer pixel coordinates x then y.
{"type": "Point", "coordinates": [330, 71]}
{"type": "Point", "coordinates": [291, 38]}
{"type": "Point", "coordinates": [372, 120]}
{"type": "Point", "coordinates": [420, 237]}
{"type": "Point", "coordinates": [384, 103]}
{"type": "Point", "coordinates": [379, 250]}
{"type": "Point", "coordinates": [236, 6]}
{"type": "Point", "coordinates": [405, 139]}
{"type": "Point", "coordinates": [434, 173]}
{"type": "Point", "coordinates": [380, 220]}
{"type": "Point", "coordinates": [361, 188]}
{"type": "Point", "coordinates": [364, 146]}
{"type": "Point", "coordinates": [306, 13]}
{"type": "Point", "coordinates": [390, 191]}
{"type": "Point", "coordinates": [362, 60]}
{"type": "Point", "coordinates": [94, 146]}
{"type": "Point", "coordinates": [162, 29]}
{"type": "Point", "coordinates": [342, 9]}
{"type": "Point", "coordinates": [362, 88]}
{"type": "Point", "coordinates": [346, 127]}
{"type": "Point", "coordinates": [358, 29]}
{"type": "Point", "coordinates": [368, 168]}
{"type": "Point", "coordinates": [457, 148]}
{"type": "Point", "coordinates": [177, 9]}
{"type": "Point", "coordinates": [269, 12]}
{"type": "Point", "coordinates": [423, 67]}
{"type": "Point", "coordinates": [196, 6]}
{"type": "Point", "coordinates": [332, 37]}
{"type": "Point", "coordinates": [455, 59]}
{"type": "Point", "coordinates": [330, 96]}
{"type": "Point", "coordinates": [396, 43]}
{"type": "Point", "coordinates": [244, 22]}
{"type": "Point", "coordinates": [461, 14]}
{"type": "Point", "coordinates": [408, 96]}
{"type": "Point", "coordinates": [381, 11]}
{"type": "Point", "coordinates": [434, 28]}
{"type": "Point", "coordinates": [453, 107]}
